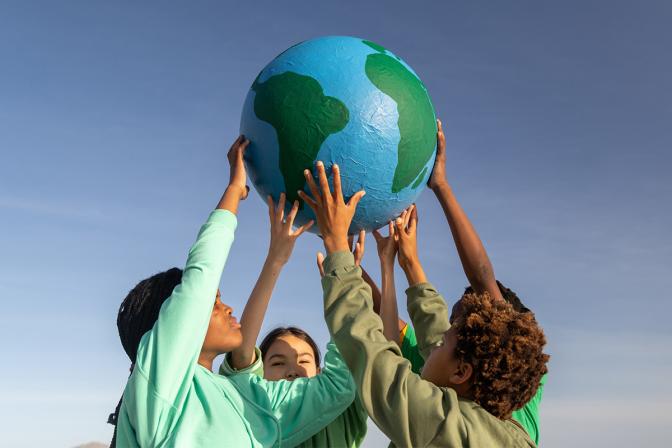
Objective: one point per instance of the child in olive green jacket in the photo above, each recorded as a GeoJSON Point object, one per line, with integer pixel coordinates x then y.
{"type": "Point", "coordinates": [475, 372]}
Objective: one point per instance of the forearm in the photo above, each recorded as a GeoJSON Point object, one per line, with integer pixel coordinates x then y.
{"type": "Point", "coordinates": [375, 292]}
{"type": "Point", "coordinates": [255, 310]}
{"type": "Point", "coordinates": [414, 272]}
{"type": "Point", "coordinates": [230, 199]}
{"type": "Point", "coordinates": [389, 313]}
{"type": "Point", "coordinates": [474, 258]}
{"type": "Point", "coordinates": [429, 315]}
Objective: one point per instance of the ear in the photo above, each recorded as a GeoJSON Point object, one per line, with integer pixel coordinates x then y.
{"type": "Point", "coordinates": [462, 374]}
{"type": "Point", "coordinates": [319, 370]}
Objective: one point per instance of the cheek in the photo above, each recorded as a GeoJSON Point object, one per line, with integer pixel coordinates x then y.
{"type": "Point", "coordinates": [311, 370]}
{"type": "Point", "coordinates": [274, 373]}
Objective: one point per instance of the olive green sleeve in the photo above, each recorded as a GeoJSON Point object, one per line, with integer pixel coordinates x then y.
{"type": "Point", "coordinates": [408, 409]}
{"type": "Point", "coordinates": [429, 315]}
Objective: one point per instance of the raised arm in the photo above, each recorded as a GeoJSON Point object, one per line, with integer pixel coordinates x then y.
{"type": "Point", "coordinates": [428, 310]}
{"type": "Point", "coordinates": [168, 353]}
{"type": "Point", "coordinates": [473, 256]}
{"type": "Point", "coordinates": [283, 238]}
{"type": "Point", "coordinates": [375, 362]}
{"type": "Point", "coordinates": [389, 314]}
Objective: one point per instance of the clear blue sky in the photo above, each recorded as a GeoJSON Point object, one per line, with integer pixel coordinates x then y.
{"type": "Point", "coordinates": [114, 122]}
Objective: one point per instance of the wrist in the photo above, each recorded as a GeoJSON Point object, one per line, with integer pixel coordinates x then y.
{"type": "Point", "coordinates": [387, 264]}
{"type": "Point", "coordinates": [440, 184]}
{"type": "Point", "coordinates": [414, 272]}
{"type": "Point", "coordinates": [334, 243]}
{"type": "Point", "coordinates": [237, 189]}
{"type": "Point", "coordinates": [274, 261]}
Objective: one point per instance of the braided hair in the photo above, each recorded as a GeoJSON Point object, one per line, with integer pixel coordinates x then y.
{"type": "Point", "coordinates": [137, 315]}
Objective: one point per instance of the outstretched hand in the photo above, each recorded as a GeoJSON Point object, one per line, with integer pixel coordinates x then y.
{"type": "Point", "coordinates": [406, 233]}
{"type": "Point", "coordinates": [438, 176]}
{"type": "Point", "coordinates": [237, 190]}
{"type": "Point", "coordinates": [333, 214]}
{"type": "Point", "coordinates": [386, 245]}
{"type": "Point", "coordinates": [238, 174]}
{"type": "Point", "coordinates": [283, 236]}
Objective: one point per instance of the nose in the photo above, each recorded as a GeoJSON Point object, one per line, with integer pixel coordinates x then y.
{"type": "Point", "coordinates": [291, 376]}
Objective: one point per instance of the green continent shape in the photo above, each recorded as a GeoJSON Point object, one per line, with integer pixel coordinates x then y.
{"type": "Point", "coordinates": [303, 117]}
{"type": "Point", "coordinates": [417, 124]}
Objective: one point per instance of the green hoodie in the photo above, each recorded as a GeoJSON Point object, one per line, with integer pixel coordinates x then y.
{"type": "Point", "coordinates": [346, 431]}
{"type": "Point", "coordinates": [412, 412]}
{"type": "Point", "coordinates": [170, 400]}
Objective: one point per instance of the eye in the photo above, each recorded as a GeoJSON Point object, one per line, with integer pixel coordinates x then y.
{"type": "Point", "coordinates": [276, 364]}
{"type": "Point", "coordinates": [304, 362]}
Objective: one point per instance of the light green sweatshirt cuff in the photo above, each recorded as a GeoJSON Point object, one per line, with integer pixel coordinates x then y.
{"type": "Point", "coordinates": [222, 216]}
{"type": "Point", "coordinates": [256, 368]}
{"type": "Point", "coordinates": [337, 260]}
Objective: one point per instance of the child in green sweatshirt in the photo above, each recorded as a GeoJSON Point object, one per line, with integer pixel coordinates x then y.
{"type": "Point", "coordinates": [476, 371]}
{"type": "Point", "coordinates": [287, 353]}
{"type": "Point", "coordinates": [477, 267]}
{"type": "Point", "coordinates": [173, 324]}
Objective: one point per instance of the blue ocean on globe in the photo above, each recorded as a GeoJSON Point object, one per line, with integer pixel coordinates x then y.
{"type": "Point", "coordinates": [347, 101]}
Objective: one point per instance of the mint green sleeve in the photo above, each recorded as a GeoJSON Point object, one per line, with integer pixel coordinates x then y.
{"type": "Point", "coordinates": [409, 410]}
{"type": "Point", "coordinates": [429, 315]}
{"type": "Point", "coordinates": [256, 368]}
{"type": "Point", "coordinates": [306, 405]}
{"type": "Point", "coordinates": [168, 353]}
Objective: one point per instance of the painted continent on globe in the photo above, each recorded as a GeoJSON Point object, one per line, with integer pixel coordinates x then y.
{"type": "Point", "coordinates": [347, 101]}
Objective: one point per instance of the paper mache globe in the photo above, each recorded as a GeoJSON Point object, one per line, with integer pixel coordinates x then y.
{"type": "Point", "coordinates": [345, 101]}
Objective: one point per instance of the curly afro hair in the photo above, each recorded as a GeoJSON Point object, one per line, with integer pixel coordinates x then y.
{"type": "Point", "coordinates": [505, 349]}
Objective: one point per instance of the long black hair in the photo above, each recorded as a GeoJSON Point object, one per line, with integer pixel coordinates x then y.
{"type": "Point", "coordinates": [137, 315]}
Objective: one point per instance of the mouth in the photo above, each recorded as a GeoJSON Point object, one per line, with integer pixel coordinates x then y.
{"type": "Point", "coordinates": [233, 322]}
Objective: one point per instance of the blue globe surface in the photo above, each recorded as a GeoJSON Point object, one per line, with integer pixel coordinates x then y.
{"type": "Point", "coordinates": [347, 101]}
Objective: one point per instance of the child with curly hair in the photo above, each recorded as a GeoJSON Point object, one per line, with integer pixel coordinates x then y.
{"type": "Point", "coordinates": [479, 272]}
{"type": "Point", "coordinates": [476, 371]}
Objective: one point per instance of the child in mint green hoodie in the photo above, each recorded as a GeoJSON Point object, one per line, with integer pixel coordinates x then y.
{"type": "Point", "coordinates": [287, 353]}
{"type": "Point", "coordinates": [173, 324]}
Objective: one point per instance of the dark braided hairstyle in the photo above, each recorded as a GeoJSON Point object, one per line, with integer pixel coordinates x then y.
{"type": "Point", "coordinates": [137, 315]}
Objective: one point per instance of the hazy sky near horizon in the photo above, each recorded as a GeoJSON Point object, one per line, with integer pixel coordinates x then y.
{"type": "Point", "coordinates": [115, 118]}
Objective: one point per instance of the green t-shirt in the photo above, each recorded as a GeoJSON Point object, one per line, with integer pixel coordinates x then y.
{"type": "Point", "coordinates": [527, 416]}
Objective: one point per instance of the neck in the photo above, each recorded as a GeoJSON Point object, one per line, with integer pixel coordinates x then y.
{"type": "Point", "coordinates": [206, 358]}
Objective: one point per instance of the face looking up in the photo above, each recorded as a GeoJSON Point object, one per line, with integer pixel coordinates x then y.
{"type": "Point", "coordinates": [223, 330]}
{"type": "Point", "coordinates": [288, 358]}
